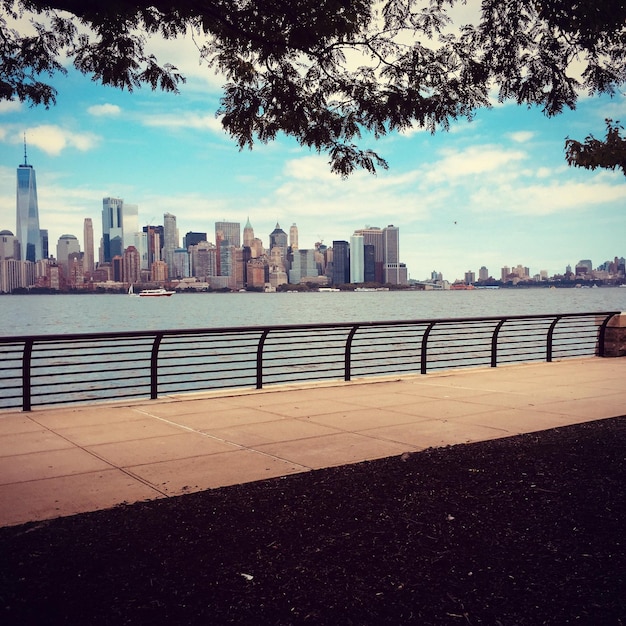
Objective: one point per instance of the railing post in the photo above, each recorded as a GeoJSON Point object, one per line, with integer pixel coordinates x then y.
{"type": "Point", "coordinates": [26, 362]}
{"type": "Point", "coordinates": [424, 359]}
{"type": "Point", "coordinates": [549, 338]}
{"type": "Point", "coordinates": [259, 359]}
{"type": "Point", "coordinates": [494, 342]}
{"type": "Point", "coordinates": [616, 338]}
{"type": "Point", "coordinates": [154, 366]}
{"type": "Point", "coordinates": [348, 353]}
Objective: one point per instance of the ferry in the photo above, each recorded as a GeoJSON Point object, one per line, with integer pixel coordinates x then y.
{"type": "Point", "coordinates": [150, 293]}
{"type": "Point", "coordinates": [155, 293]}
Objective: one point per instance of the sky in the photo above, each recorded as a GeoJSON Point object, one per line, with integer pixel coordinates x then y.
{"type": "Point", "coordinates": [492, 192]}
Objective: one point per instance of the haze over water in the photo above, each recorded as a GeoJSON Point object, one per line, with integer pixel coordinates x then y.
{"type": "Point", "coordinates": [92, 313]}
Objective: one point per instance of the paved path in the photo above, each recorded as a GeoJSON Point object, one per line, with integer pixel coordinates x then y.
{"type": "Point", "coordinates": [69, 460]}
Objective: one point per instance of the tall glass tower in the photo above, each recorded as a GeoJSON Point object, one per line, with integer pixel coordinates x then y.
{"type": "Point", "coordinates": [28, 212]}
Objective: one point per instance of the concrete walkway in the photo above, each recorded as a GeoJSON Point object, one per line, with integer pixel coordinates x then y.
{"type": "Point", "coordinates": [68, 460]}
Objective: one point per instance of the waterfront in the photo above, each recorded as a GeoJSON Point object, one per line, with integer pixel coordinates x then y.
{"type": "Point", "coordinates": [61, 314]}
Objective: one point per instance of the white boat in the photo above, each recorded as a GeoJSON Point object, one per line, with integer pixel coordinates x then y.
{"type": "Point", "coordinates": [131, 292]}
{"type": "Point", "coordinates": [155, 293]}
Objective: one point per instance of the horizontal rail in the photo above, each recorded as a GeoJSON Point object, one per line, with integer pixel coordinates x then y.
{"type": "Point", "coordinates": [43, 370]}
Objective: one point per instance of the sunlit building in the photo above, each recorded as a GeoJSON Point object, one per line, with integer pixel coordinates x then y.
{"type": "Point", "coordinates": [28, 233]}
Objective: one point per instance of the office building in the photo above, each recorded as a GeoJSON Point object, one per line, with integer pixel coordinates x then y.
{"type": "Point", "coordinates": [391, 256]}
{"type": "Point", "coordinates": [374, 236]}
{"type": "Point", "coordinates": [303, 266]}
{"type": "Point", "coordinates": [369, 263]}
{"type": "Point", "coordinates": [483, 273]}
{"type": "Point", "coordinates": [248, 234]}
{"type": "Point", "coordinates": [193, 239]}
{"type": "Point", "coordinates": [357, 259]}
{"type": "Point", "coordinates": [112, 228]}
{"type": "Point", "coordinates": [170, 241]}
{"type": "Point", "coordinates": [293, 237]}
{"type": "Point", "coordinates": [230, 232]}
{"type": "Point", "coordinates": [131, 265]}
{"type": "Point", "coordinates": [130, 224]}
{"type": "Point", "coordinates": [278, 240]}
{"type": "Point", "coordinates": [88, 257]}
{"type": "Point", "coordinates": [66, 245]}
{"type": "Point", "coordinates": [341, 262]}
{"type": "Point", "coordinates": [28, 232]}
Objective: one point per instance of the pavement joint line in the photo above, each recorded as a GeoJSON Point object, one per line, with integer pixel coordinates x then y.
{"type": "Point", "coordinates": [100, 458]}
{"type": "Point", "coordinates": [222, 440]}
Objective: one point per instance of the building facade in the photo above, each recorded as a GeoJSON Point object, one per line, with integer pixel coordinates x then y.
{"type": "Point", "coordinates": [27, 213]}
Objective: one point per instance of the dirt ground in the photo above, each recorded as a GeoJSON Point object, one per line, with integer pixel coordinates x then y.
{"type": "Point", "coordinates": [523, 530]}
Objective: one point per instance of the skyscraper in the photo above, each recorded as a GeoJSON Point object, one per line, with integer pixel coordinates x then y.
{"type": "Point", "coordinates": [170, 240]}
{"type": "Point", "coordinates": [293, 237]}
{"type": "Point", "coordinates": [112, 228]}
{"type": "Point", "coordinates": [391, 254]}
{"type": "Point", "coordinates": [374, 236]}
{"type": "Point", "coordinates": [341, 262]}
{"type": "Point", "coordinates": [357, 259]}
{"type": "Point", "coordinates": [88, 258]}
{"type": "Point", "coordinates": [231, 232]}
{"type": "Point", "coordinates": [278, 239]}
{"type": "Point", "coordinates": [28, 212]}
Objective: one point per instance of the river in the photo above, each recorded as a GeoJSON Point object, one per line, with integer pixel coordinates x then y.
{"type": "Point", "coordinates": [89, 313]}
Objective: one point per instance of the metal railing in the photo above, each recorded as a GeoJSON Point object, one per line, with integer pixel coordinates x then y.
{"type": "Point", "coordinates": [58, 369]}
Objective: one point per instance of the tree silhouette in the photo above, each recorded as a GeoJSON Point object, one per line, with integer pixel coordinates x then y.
{"type": "Point", "coordinates": [326, 72]}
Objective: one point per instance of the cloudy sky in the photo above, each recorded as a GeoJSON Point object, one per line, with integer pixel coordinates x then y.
{"type": "Point", "coordinates": [493, 192]}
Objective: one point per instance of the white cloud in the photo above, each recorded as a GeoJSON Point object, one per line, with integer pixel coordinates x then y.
{"type": "Point", "coordinates": [54, 139]}
{"type": "Point", "coordinates": [9, 106]}
{"type": "Point", "coordinates": [185, 120]}
{"type": "Point", "coordinates": [472, 161]}
{"type": "Point", "coordinates": [522, 136]}
{"type": "Point", "coordinates": [104, 110]}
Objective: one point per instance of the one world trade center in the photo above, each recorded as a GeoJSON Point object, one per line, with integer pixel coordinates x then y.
{"type": "Point", "coordinates": [28, 232]}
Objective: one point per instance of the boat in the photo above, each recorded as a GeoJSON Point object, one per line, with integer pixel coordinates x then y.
{"type": "Point", "coordinates": [155, 293]}
{"type": "Point", "coordinates": [131, 292]}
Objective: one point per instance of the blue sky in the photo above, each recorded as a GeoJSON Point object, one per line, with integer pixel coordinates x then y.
{"type": "Point", "coordinates": [493, 192]}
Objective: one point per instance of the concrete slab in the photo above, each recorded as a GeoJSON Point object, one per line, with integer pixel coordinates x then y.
{"type": "Point", "coordinates": [84, 416]}
{"type": "Point", "coordinates": [434, 433]}
{"type": "Point", "coordinates": [67, 495]}
{"type": "Point", "coordinates": [48, 464]}
{"type": "Point", "coordinates": [13, 424]}
{"type": "Point", "coordinates": [216, 470]}
{"type": "Point", "coordinates": [157, 449]}
{"type": "Point", "coordinates": [332, 450]}
{"type": "Point", "coordinates": [93, 434]}
{"type": "Point", "coordinates": [31, 442]}
{"type": "Point", "coordinates": [251, 435]}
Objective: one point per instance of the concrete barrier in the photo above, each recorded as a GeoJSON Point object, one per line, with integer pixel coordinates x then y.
{"type": "Point", "coordinates": [615, 336]}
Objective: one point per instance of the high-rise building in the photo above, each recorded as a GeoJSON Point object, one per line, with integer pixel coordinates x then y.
{"type": "Point", "coordinates": [374, 236]}
{"type": "Point", "coordinates": [231, 232]}
{"type": "Point", "coordinates": [293, 237]}
{"type": "Point", "coordinates": [170, 240]}
{"type": "Point", "coordinates": [130, 224]}
{"type": "Point", "coordinates": [28, 233]}
{"type": "Point", "coordinates": [357, 259]}
{"type": "Point", "coordinates": [341, 262]}
{"type": "Point", "coordinates": [369, 263]}
{"type": "Point", "coordinates": [470, 277]}
{"type": "Point", "coordinates": [278, 240]}
{"type": "Point", "coordinates": [483, 273]}
{"type": "Point", "coordinates": [248, 234]}
{"type": "Point", "coordinates": [391, 255]}
{"type": "Point", "coordinates": [193, 239]}
{"type": "Point", "coordinates": [66, 245]}
{"type": "Point", "coordinates": [112, 228]}
{"type": "Point", "coordinates": [131, 265]}
{"type": "Point", "coordinates": [88, 258]}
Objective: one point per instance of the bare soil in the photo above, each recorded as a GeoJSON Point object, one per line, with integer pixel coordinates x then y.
{"type": "Point", "coordinates": [524, 530]}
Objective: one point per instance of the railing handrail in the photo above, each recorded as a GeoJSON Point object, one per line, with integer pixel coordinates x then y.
{"type": "Point", "coordinates": [468, 340]}
{"type": "Point", "coordinates": [278, 327]}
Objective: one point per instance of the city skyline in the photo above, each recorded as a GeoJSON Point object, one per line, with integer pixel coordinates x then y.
{"type": "Point", "coordinates": [493, 192]}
